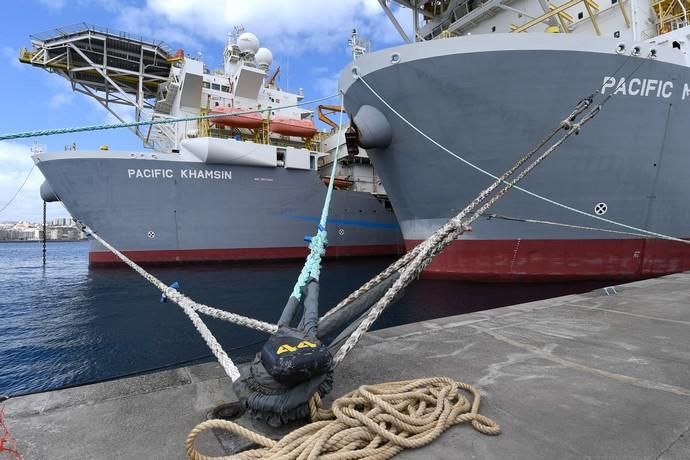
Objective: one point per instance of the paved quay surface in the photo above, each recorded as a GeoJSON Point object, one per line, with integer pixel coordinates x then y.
{"type": "Point", "coordinates": [584, 376]}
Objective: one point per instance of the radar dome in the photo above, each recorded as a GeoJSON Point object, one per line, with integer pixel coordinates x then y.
{"type": "Point", "coordinates": [248, 43]}
{"type": "Point", "coordinates": [264, 57]}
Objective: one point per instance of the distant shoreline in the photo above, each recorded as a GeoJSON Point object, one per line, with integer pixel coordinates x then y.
{"type": "Point", "coordinates": [41, 241]}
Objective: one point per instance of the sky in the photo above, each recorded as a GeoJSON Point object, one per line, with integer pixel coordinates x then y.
{"type": "Point", "coordinates": [308, 39]}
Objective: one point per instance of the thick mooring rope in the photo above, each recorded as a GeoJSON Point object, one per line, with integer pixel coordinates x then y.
{"type": "Point", "coordinates": [461, 222]}
{"type": "Point", "coordinates": [191, 307]}
{"type": "Point", "coordinates": [526, 220]}
{"type": "Point", "coordinates": [521, 189]}
{"type": "Point", "coordinates": [374, 422]}
{"type": "Point", "coordinates": [162, 121]}
{"type": "Point", "coordinates": [425, 245]}
{"type": "Point", "coordinates": [317, 245]}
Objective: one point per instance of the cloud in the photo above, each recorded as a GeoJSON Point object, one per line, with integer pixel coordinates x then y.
{"type": "Point", "coordinates": [326, 86]}
{"type": "Point", "coordinates": [16, 163]}
{"type": "Point", "coordinates": [53, 4]}
{"type": "Point", "coordinates": [286, 27]}
{"type": "Point", "coordinates": [319, 70]}
{"type": "Point", "coordinates": [126, 113]}
{"type": "Point", "coordinates": [60, 100]}
{"type": "Point", "coordinates": [11, 57]}
{"type": "Point", "coordinates": [139, 21]}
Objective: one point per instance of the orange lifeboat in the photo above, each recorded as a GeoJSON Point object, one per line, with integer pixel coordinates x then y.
{"type": "Point", "coordinates": [340, 181]}
{"type": "Point", "coordinates": [246, 120]}
{"type": "Point", "coordinates": [293, 127]}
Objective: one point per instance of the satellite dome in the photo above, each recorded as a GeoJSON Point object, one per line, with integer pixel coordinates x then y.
{"type": "Point", "coordinates": [264, 57]}
{"type": "Point", "coordinates": [248, 43]}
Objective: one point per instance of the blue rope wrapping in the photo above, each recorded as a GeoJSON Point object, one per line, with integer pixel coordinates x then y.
{"type": "Point", "coordinates": [317, 246]}
{"type": "Point", "coordinates": [78, 129]}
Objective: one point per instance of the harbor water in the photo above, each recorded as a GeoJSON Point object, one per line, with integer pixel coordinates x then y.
{"type": "Point", "coordinates": [66, 324]}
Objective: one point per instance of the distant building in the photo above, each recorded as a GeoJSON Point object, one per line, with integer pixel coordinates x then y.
{"type": "Point", "coordinates": [61, 229]}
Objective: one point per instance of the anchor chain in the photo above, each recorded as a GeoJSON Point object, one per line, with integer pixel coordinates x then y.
{"type": "Point", "coordinates": [45, 231]}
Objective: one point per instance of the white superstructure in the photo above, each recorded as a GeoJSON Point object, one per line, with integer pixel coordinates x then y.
{"type": "Point", "coordinates": [655, 21]}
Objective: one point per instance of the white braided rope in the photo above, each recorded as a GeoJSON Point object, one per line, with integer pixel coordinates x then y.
{"type": "Point", "coordinates": [450, 231]}
{"type": "Point", "coordinates": [566, 225]}
{"type": "Point", "coordinates": [523, 190]}
{"type": "Point", "coordinates": [424, 245]}
{"type": "Point", "coordinates": [191, 307]}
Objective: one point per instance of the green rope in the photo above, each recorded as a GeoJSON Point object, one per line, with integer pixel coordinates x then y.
{"type": "Point", "coordinates": [317, 246]}
{"type": "Point", "coordinates": [78, 129]}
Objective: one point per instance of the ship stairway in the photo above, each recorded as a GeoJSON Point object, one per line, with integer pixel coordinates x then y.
{"type": "Point", "coordinates": [161, 137]}
{"type": "Point", "coordinates": [166, 95]}
{"type": "Point", "coordinates": [117, 69]}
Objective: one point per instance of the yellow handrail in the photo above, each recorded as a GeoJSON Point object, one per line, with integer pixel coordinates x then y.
{"type": "Point", "coordinates": [562, 15]}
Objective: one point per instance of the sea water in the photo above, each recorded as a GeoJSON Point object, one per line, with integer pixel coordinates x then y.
{"type": "Point", "coordinates": [67, 324]}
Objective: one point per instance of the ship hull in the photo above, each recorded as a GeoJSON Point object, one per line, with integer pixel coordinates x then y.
{"type": "Point", "coordinates": [489, 99]}
{"type": "Point", "coordinates": [160, 212]}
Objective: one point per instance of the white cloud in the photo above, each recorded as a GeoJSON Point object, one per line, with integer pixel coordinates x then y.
{"type": "Point", "coordinates": [319, 70]}
{"type": "Point", "coordinates": [126, 113]}
{"type": "Point", "coordinates": [60, 100]}
{"type": "Point", "coordinates": [294, 31]}
{"type": "Point", "coordinates": [140, 22]}
{"type": "Point", "coordinates": [286, 27]}
{"type": "Point", "coordinates": [11, 57]}
{"type": "Point", "coordinates": [16, 162]}
{"type": "Point", "coordinates": [53, 4]}
{"type": "Point", "coordinates": [326, 86]}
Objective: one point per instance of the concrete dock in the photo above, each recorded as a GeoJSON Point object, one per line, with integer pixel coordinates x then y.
{"type": "Point", "coordinates": [603, 375]}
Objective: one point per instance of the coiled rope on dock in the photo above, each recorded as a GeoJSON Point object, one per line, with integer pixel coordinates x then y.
{"type": "Point", "coordinates": [382, 428]}
{"type": "Point", "coordinates": [374, 422]}
{"type": "Point", "coordinates": [378, 421]}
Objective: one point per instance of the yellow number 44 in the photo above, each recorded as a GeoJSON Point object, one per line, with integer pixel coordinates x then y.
{"type": "Point", "coordinates": [285, 348]}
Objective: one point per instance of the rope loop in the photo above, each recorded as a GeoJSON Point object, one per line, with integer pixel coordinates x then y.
{"type": "Point", "coordinates": [374, 422]}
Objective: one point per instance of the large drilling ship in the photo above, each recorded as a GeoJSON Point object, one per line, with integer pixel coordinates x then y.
{"type": "Point", "coordinates": [487, 80]}
{"type": "Point", "coordinates": [236, 186]}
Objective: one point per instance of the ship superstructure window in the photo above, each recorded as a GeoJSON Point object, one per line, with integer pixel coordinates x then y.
{"type": "Point", "coordinates": [580, 15]}
{"type": "Point", "coordinates": [207, 84]}
{"type": "Point", "coordinates": [225, 89]}
{"type": "Point", "coordinates": [215, 86]}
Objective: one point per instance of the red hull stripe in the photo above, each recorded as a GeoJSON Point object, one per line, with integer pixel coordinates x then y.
{"type": "Point", "coordinates": [550, 260]}
{"type": "Point", "coordinates": [220, 255]}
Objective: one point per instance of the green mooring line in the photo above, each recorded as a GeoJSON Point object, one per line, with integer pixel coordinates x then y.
{"type": "Point", "coordinates": [102, 127]}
